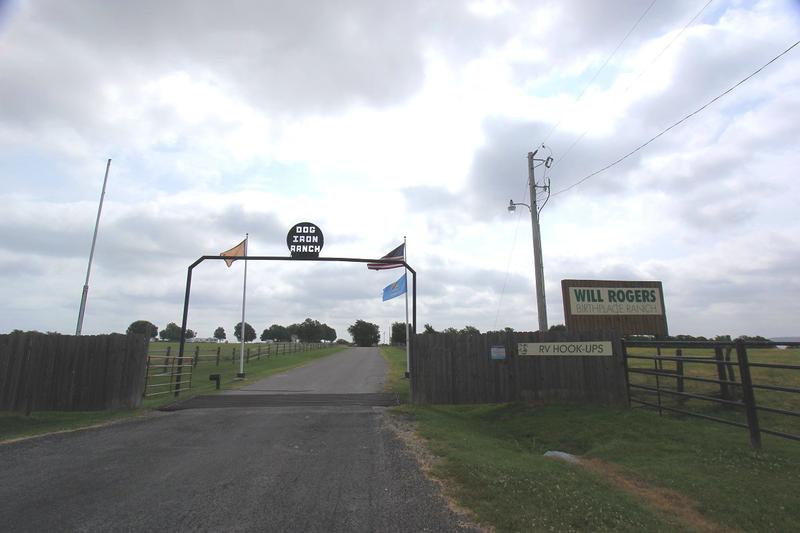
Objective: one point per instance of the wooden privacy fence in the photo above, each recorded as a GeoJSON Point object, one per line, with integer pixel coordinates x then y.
{"type": "Point", "coordinates": [458, 368]}
{"type": "Point", "coordinates": [71, 373]}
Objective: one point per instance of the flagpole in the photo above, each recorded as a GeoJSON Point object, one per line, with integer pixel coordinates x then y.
{"type": "Point", "coordinates": [244, 296]}
{"type": "Point", "coordinates": [85, 293]}
{"type": "Point", "coordinates": [408, 340]}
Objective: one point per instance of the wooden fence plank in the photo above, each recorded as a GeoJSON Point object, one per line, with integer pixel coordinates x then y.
{"type": "Point", "coordinates": [61, 372]}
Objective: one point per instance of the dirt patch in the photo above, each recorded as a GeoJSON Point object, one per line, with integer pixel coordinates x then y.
{"type": "Point", "coordinates": [667, 501]}
{"type": "Point", "coordinates": [403, 428]}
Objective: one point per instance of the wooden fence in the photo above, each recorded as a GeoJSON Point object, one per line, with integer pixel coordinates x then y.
{"type": "Point", "coordinates": [68, 373]}
{"type": "Point", "coordinates": [458, 368]}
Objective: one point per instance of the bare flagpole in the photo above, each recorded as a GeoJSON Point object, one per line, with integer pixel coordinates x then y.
{"type": "Point", "coordinates": [85, 293]}
{"type": "Point", "coordinates": [408, 339]}
{"type": "Point", "coordinates": [244, 296]}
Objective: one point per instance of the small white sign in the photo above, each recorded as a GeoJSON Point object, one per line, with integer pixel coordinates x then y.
{"type": "Point", "coordinates": [498, 353]}
{"type": "Point", "coordinates": [565, 348]}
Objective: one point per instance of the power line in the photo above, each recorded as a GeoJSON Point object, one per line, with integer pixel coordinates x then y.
{"type": "Point", "coordinates": [589, 83]}
{"type": "Point", "coordinates": [684, 119]}
{"type": "Point", "coordinates": [641, 73]}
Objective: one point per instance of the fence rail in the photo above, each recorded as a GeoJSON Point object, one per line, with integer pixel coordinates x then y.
{"type": "Point", "coordinates": [164, 366]}
{"type": "Point", "coordinates": [711, 379]}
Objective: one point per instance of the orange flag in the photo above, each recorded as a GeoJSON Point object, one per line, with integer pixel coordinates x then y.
{"type": "Point", "coordinates": [238, 250]}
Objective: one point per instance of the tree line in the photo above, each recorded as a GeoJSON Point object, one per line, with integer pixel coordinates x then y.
{"type": "Point", "coordinates": [309, 330]}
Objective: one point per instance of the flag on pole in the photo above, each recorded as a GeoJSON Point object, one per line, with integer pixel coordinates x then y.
{"type": "Point", "coordinates": [238, 250]}
{"type": "Point", "coordinates": [395, 289]}
{"type": "Point", "coordinates": [398, 253]}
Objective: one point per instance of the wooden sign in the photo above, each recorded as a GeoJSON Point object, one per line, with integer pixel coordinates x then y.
{"type": "Point", "coordinates": [625, 307]}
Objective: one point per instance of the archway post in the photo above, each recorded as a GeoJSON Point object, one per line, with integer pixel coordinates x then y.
{"type": "Point", "coordinates": [281, 258]}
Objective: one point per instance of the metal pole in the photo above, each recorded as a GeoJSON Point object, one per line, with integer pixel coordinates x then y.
{"type": "Point", "coordinates": [85, 293]}
{"type": "Point", "coordinates": [244, 296]}
{"type": "Point", "coordinates": [538, 268]}
{"type": "Point", "coordinates": [183, 324]}
{"type": "Point", "coordinates": [408, 336]}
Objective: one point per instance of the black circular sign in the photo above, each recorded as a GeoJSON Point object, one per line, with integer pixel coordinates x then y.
{"type": "Point", "coordinates": [305, 240]}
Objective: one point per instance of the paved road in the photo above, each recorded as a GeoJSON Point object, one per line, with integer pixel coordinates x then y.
{"type": "Point", "coordinates": [322, 468]}
{"type": "Point", "coordinates": [357, 370]}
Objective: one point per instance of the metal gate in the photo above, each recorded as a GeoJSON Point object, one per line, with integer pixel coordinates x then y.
{"type": "Point", "coordinates": [742, 384]}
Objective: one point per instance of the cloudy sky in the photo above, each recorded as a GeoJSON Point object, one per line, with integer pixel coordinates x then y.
{"type": "Point", "coordinates": [378, 120]}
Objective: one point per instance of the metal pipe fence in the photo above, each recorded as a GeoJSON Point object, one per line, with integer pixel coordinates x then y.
{"type": "Point", "coordinates": [704, 385]}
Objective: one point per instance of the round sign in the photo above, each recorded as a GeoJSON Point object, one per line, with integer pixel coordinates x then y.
{"type": "Point", "coordinates": [305, 240]}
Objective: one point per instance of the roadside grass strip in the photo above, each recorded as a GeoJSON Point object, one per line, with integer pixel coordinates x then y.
{"type": "Point", "coordinates": [396, 381]}
{"type": "Point", "coordinates": [16, 425]}
{"type": "Point", "coordinates": [638, 472]}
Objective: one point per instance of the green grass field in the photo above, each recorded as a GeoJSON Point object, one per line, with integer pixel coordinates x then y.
{"type": "Point", "coordinates": [491, 458]}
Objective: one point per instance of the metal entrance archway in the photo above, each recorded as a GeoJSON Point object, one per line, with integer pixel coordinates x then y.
{"type": "Point", "coordinates": [283, 258]}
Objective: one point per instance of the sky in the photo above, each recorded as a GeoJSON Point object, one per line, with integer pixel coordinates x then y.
{"type": "Point", "coordinates": [383, 120]}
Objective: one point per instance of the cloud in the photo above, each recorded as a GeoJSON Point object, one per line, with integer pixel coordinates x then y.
{"type": "Point", "coordinates": [378, 121]}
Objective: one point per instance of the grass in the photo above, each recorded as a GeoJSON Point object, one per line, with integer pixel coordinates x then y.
{"type": "Point", "coordinates": [15, 425]}
{"type": "Point", "coordinates": [396, 381]}
{"type": "Point", "coordinates": [491, 458]}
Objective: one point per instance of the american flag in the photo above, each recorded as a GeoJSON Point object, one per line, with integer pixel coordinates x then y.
{"type": "Point", "coordinates": [398, 253]}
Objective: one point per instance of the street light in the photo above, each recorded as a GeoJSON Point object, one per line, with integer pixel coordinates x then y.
{"type": "Point", "coordinates": [538, 268]}
{"type": "Point", "coordinates": [512, 206]}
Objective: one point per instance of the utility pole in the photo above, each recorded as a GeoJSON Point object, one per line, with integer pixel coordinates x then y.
{"type": "Point", "coordinates": [538, 268]}
{"type": "Point", "coordinates": [91, 255]}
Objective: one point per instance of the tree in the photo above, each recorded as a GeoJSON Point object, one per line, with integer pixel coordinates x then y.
{"type": "Point", "coordinates": [148, 329]}
{"type": "Point", "coordinates": [276, 332]}
{"type": "Point", "coordinates": [219, 333]}
{"type": "Point", "coordinates": [429, 329]}
{"type": "Point", "coordinates": [190, 334]}
{"type": "Point", "coordinates": [558, 327]}
{"type": "Point", "coordinates": [470, 330]}
{"type": "Point", "coordinates": [364, 333]}
{"type": "Point", "coordinates": [449, 331]}
{"type": "Point", "coordinates": [309, 331]}
{"type": "Point", "coordinates": [328, 333]}
{"type": "Point", "coordinates": [398, 333]}
{"type": "Point", "coordinates": [249, 332]}
{"type": "Point", "coordinates": [171, 333]}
